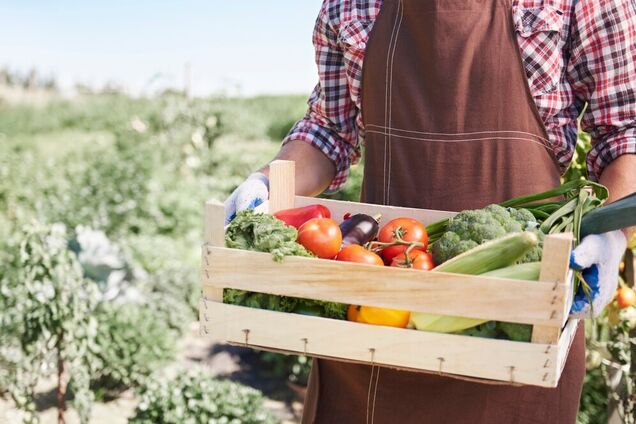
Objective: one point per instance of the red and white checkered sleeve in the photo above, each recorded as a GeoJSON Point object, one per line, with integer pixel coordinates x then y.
{"type": "Point", "coordinates": [602, 70]}
{"type": "Point", "coordinates": [330, 122]}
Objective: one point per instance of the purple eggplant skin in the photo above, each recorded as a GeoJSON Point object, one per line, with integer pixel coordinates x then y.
{"type": "Point", "coordinates": [359, 229]}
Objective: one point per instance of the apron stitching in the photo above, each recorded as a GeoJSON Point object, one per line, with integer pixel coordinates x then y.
{"type": "Point", "coordinates": [461, 141]}
{"type": "Point", "coordinates": [456, 134]}
{"type": "Point", "coordinates": [375, 392]}
{"type": "Point", "coordinates": [397, 34]}
{"type": "Point", "coordinates": [386, 105]}
{"type": "Point", "coordinates": [369, 391]}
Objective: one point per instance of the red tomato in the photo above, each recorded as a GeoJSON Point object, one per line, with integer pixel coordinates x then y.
{"type": "Point", "coordinates": [321, 236]}
{"type": "Point", "coordinates": [357, 253]}
{"type": "Point", "coordinates": [625, 297]}
{"type": "Point", "coordinates": [408, 229]}
{"type": "Point", "coordinates": [418, 260]}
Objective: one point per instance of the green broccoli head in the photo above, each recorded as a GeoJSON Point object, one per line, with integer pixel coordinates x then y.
{"type": "Point", "coordinates": [449, 246]}
{"type": "Point", "coordinates": [504, 217]}
{"type": "Point", "coordinates": [471, 228]}
{"type": "Point", "coordinates": [536, 253]}
{"type": "Point", "coordinates": [525, 218]}
{"type": "Point", "coordinates": [477, 225]}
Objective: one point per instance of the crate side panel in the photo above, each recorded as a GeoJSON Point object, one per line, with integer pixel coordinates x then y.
{"type": "Point", "coordinates": [565, 343]}
{"type": "Point", "coordinates": [501, 360]}
{"type": "Point", "coordinates": [438, 293]}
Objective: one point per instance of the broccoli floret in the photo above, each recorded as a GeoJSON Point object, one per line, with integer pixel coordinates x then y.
{"type": "Point", "coordinates": [525, 218]}
{"type": "Point", "coordinates": [471, 228]}
{"type": "Point", "coordinates": [535, 254]}
{"type": "Point", "coordinates": [449, 246]}
{"type": "Point", "coordinates": [476, 225]}
{"type": "Point", "coordinates": [444, 248]}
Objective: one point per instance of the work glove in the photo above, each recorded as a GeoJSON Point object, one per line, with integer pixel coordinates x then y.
{"type": "Point", "coordinates": [253, 192]}
{"type": "Point", "coordinates": [598, 257]}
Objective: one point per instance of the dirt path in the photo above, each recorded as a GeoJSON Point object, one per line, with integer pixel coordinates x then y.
{"type": "Point", "coordinates": [236, 364]}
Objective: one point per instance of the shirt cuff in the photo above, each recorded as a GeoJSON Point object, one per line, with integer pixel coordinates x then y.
{"type": "Point", "coordinates": [324, 140]}
{"type": "Point", "coordinates": [609, 149]}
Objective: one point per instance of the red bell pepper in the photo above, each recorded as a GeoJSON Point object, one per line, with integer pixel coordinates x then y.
{"type": "Point", "coordinates": [298, 216]}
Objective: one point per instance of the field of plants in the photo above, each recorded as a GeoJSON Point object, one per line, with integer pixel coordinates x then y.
{"type": "Point", "coordinates": [100, 228]}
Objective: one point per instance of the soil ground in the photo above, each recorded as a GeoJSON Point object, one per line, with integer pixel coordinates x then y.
{"type": "Point", "coordinates": [234, 363]}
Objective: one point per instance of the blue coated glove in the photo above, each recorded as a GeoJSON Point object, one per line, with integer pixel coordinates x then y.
{"type": "Point", "coordinates": [598, 257]}
{"type": "Point", "coordinates": [253, 192]}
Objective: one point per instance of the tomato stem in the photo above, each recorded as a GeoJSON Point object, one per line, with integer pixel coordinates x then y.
{"type": "Point", "coordinates": [378, 246]}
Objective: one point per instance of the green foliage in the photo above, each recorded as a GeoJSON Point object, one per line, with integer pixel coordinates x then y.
{"type": "Point", "coordinates": [197, 398]}
{"type": "Point", "coordinates": [611, 365]}
{"type": "Point", "coordinates": [174, 295]}
{"type": "Point", "coordinates": [46, 312]}
{"type": "Point", "coordinates": [353, 187]}
{"type": "Point", "coordinates": [578, 168]}
{"type": "Point", "coordinates": [263, 233]}
{"type": "Point", "coordinates": [138, 169]}
{"type": "Point", "coordinates": [279, 129]}
{"type": "Point", "coordinates": [292, 368]}
{"type": "Point", "coordinates": [93, 113]}
{"type": "Point", "coordinates": [593, 405]}
{"type": "Point", "coordinates": [132, 342]}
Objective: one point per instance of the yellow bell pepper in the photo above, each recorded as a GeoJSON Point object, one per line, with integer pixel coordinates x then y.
{"type": "Point", "coordinates": [378, 316]}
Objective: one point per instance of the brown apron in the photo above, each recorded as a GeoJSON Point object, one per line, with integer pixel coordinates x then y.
{"type": "Point", "coordinates": [450, 124]}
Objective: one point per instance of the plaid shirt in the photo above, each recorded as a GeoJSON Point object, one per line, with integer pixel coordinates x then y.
{"type": "Point", "coordinates": [574, 53]}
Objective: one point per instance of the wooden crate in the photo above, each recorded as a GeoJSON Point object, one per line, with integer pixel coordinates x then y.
{"type": "Point", "coordinates": [544, 304]}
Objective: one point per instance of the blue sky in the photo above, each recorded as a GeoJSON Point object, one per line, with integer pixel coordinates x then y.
{"type": "Point", "coordinates": [237, 46]}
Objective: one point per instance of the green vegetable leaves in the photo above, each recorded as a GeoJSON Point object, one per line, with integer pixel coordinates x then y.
{"type": "Point", "coordinates": [263, 233]}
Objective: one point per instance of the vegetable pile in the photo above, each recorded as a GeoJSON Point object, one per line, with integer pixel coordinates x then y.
{"type": "Point", "coordinates": [264, 233]}
{"type": "Point", "coordinates": [503, 241]}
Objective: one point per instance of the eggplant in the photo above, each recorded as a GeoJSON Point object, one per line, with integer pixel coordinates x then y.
{"type": "Point", "coordinates": [359, 229]}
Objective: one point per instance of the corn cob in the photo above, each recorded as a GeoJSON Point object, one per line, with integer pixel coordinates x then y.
{"type": "Point", "coordinates": [494, 258]}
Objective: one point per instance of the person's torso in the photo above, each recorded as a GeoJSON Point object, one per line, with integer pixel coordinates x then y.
{"type": "Point", "coordinates": [541, 29]}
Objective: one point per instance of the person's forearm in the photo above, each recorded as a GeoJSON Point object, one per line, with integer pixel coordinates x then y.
{"type": "Point", "coordinates": [620, 178]}
{"type": "Point", "coordinates": [314, 170]}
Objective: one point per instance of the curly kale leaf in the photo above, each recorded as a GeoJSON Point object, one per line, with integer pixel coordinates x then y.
{"type": "Point", "coordinates": [263, 233]}
{"type": "Point", "coordinates": [259, 300]}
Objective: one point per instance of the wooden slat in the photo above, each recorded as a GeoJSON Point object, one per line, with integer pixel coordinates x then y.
{"type": "Point", "coordinates": [533, 364]}
{"type": "Point", "coordinates": [438, 293]}
{"type": "Point", "coordinates": [338, 208]}
{"type": "Point", "coordinates": [214, 235]}
{"type": "Point", "coordinates": [282, 187]}
{"type": "Point", "coordinates": [555, 267]}
{"type": "Point", "coordinates": [565, 343]}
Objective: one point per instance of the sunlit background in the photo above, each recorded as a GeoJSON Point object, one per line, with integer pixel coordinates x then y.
{"type": "Point", "coordinates": [230, 47]}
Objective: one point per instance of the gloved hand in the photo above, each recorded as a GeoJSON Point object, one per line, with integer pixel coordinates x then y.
{"type": "Point", "coordinates": [250, 194]}
{"type": "Point", "coordinates": [599, 257]}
